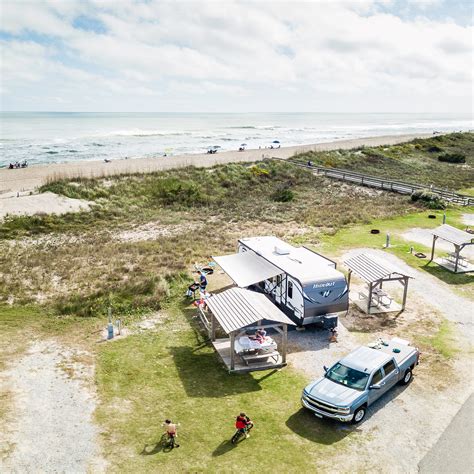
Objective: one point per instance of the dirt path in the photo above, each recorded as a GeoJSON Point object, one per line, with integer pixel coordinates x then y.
{"type": "Point", "coordinates": [53, 401]}
{"type": "Point", "coordinates": [405, 424]}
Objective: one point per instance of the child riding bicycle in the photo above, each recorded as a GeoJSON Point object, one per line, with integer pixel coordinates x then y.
{"type": "Point", "coordinates": [171, 433]}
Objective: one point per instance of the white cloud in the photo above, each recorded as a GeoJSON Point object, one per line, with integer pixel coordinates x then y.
{"type": "Point", "coordinates": [240, 56]}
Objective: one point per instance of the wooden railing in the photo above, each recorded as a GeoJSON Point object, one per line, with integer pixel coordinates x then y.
{"type": "Point", "coordinates": [383, 183]}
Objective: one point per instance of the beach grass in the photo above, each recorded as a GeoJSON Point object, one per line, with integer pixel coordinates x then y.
{"type": "Point", "coordinates": [415, 161]}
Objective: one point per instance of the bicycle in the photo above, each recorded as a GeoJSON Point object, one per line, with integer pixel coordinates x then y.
{"type": "Point", "coordinates": [240, 433]}
{"type": "Point", "coordinates": [168, 441]}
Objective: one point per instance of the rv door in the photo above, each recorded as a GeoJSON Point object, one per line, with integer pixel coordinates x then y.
{"type": "Point", "coordinates": [279, 293]}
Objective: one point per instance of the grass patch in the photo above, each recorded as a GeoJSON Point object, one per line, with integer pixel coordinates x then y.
{"type": "Point", "coordinates": [173, 373]}
{"type": "Point", "coordinates": [443, 341]}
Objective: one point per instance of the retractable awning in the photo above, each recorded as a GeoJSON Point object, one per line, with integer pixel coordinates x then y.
{"type": "Point", "coordinates": [247, 268]}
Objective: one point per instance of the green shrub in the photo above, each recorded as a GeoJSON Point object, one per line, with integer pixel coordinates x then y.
{"type": "Point", "coordinates": [171, 191]}
{"type": "Point", "coordinates": [283, 193]}
{"type": "Point", "coordinates": [434, 149]}
{"type": "Point", "coordinates": [428, 199]}
{"type": "Point", "coordinates": [452, 158]}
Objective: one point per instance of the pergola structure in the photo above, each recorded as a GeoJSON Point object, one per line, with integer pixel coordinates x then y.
{"type": "Point", "coordinates": [375, 272]}
{"type": "Point", "coordinates": [238, 311]}
{"type": "Point", "coordinates": [460, 239]}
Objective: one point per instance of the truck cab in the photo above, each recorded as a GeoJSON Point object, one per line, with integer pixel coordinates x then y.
{"type": "Point", "coordinates": [351, 385]}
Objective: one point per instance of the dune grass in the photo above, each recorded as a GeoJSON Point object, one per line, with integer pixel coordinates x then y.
{"type": "Point", "coordinates": [416, 161]}
{"type": "Point", "coordinates": [233, 192]}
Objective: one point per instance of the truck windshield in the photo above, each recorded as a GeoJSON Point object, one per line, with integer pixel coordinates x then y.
{"type": "Point", "coordinates": [347, 376]}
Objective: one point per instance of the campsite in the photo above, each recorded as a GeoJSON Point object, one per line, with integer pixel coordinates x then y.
{"type": "Point", "coordinates": [136, 250]}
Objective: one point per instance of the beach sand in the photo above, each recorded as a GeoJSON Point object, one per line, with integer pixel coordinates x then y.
{"type": "Point", "coordinates": [16, 184]}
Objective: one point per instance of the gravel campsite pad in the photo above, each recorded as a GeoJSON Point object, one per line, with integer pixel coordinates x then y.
{"type": "Point", "coordinates": [54, 402]}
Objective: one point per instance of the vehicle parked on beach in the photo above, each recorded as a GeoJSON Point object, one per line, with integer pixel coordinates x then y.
{"type": "Point", "coordinates": [351, 385]}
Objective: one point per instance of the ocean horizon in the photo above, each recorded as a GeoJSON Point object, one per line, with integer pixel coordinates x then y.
{"type": "Point", "coordinates": [55, 137]}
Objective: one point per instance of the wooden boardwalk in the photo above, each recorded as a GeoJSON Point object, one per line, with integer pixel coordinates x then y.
{"type": "Point", "coordinates": [383, 183]}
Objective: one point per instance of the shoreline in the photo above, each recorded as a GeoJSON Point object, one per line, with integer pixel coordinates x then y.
{"type": "Point", "coordinates": [27, 180]}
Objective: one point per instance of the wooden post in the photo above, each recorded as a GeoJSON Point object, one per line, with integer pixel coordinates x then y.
{"type": "Point", "coordinates": [433, 247]}
{"type": "Point", "coordinates": [213, 327]}
{"type": "Point", "coordinates": [457, 258]}
{"type": "Point", "coordinates": [349, 281]}
{"type": "Point", "coordinates": [284, 343]}
{"type": "Point", "coordinates": [232, 350]}
{"type": "Point", "coordinates": [369, 299]}
{"type": "Point", "coordinates": [405, 291]}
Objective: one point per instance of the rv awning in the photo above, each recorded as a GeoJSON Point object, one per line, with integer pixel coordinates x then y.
{"type": "Point", "coordinates": [247, 268]}
{"type": "Point", "coordinates": [238, 308]}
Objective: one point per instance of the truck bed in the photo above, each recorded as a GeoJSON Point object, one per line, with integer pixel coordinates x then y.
{"type": "Point", "coordinates": [406, 351]}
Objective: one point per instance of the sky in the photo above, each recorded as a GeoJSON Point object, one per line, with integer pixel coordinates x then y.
{"type": "Point", "coordinates": [237, 56]}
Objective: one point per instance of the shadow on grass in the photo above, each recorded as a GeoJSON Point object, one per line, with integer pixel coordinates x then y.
{"type": "Point", "coordinates": [448, 277]}
{"type": "Point", "coordinates": [223, 448]}
{"type": "Point", "coordinates": [203, 376]}
{"type": "Point", "coordinates": [151, 449]}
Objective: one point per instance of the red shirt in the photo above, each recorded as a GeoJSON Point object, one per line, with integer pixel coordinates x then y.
{"type": "Point", "coordinates": [241, 423]}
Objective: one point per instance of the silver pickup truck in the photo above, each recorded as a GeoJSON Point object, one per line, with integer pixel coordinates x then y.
{"type": "Point", "coordinates": [359, 379]}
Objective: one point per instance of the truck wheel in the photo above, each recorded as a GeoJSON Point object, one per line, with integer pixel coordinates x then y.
{"type": "Point", "coordinates": [359, 414]}
{"type": "Point", "coordinates": [407, 376]}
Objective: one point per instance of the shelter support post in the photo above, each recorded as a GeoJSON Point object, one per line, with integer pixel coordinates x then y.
{"type": "Point", "coordinates": [232, 350]}
{"type": "Point", "coordinates": [457, 250]}
{"type": "Point", "coordinates": [284, 343]}
{"type": "Point", "coordinates": [369, 298]}
{"type": "Point", "coordinates": [405, 291]}
{"type": "Point", "coordinates": [435, 237]}
{"type": "Point", "coordinates": [213, 327]}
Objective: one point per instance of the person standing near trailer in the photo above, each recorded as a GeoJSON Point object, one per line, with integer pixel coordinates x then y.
{"type": "Point", "coordinates": [202, 281]}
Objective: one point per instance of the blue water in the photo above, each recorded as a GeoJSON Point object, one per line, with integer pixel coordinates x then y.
{"type": "Point", "coordinates": [60, 137]}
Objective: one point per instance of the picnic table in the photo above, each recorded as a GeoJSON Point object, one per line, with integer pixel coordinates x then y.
{"type": "Point", "coordinates": [379, 296]}
{"type": "Point", "coordinates": [451, 258]}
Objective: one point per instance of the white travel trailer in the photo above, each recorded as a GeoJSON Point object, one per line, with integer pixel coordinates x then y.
{"type": "Point", "coordinates": [303, 283]}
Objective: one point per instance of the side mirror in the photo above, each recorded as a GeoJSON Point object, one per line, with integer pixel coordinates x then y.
{"type": "Point", "coordinates": [325, 368]}
{"type": "Point", "coordinates": [376, 386]}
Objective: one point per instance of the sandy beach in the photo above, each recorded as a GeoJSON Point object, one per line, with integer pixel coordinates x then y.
{"type": "Point", "coordinates": [28, 179]}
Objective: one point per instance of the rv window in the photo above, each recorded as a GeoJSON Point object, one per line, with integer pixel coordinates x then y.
{"type": "Point", "coordinates": [290, 289]}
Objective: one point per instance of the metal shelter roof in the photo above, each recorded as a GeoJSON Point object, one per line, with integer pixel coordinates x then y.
{"type": "Point", "coordinates": [371, 269]}
{"type": "Point", "coordinates": [247, 268]}
{"type": "Point", "coordinates": [453, 235]}
{"type": "Point", "coordinates": [237, 308]}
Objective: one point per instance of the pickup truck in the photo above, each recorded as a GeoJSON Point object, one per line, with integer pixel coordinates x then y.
{"type": "Point", "coordinates": [351, 385]}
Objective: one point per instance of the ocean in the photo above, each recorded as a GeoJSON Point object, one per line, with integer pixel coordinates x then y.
{"type": "Point", "coordinates": [51, 137]}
